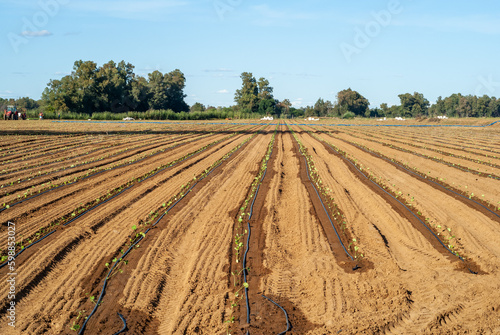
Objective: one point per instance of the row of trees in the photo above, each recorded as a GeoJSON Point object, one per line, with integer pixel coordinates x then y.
{"type": "Point", "coordinates": [350, 103]}
{"type": "Point", "coordinates": [114, 87]}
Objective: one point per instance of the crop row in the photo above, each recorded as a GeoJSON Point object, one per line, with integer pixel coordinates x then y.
{"type": "Point", "coordinates": [240, 271]}
{"type": "Point", "coordinates": [442, 152]}
{"type": "Point", "coordinates": [76, 164]}
{"type": "Point", "coordinates": [336, 216]}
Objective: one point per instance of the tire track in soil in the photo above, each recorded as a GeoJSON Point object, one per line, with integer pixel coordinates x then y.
{"type": "Point", "coordinates": [69, 287]}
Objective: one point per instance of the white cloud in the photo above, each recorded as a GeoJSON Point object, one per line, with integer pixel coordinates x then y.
{"type": "Point", "coordinates": [224, 91]}
{"type": "Point", "coordinates": [39, 33]}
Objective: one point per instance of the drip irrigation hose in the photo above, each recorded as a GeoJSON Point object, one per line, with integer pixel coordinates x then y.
{"type": "Point", "coordinates": [247, 300]}
{"type": "Point", "coordinates": [124, 324]}
{"type": "Point", "coordinates": [14, 257]}
{"type": "Point", "coordinates": [327, 214]}
{"type": "Point", "coordinates": [99, 300]}
{"type": "Point", "coordinates": [288, 325]}
{"type": "Point", "coordinates": [428, 228]}
{"type": "Point", "coordinates": [418, 175]}
{"type": "Point", "coordinates": [329, 219]}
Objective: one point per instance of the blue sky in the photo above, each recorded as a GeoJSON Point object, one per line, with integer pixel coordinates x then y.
{"type": "Point", "coordinates": [306, 50]}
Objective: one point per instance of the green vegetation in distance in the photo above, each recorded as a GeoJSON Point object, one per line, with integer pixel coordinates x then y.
{"type": "Point", "coordinates": [113, 91]}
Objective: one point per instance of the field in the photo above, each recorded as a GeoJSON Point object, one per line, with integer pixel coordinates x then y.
{"type": "Point", "coordinates": [249, 228]}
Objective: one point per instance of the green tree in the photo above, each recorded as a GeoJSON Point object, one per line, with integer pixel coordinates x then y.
{"type": "Point", "coordinates": [414, 105]}
{"type": "Point", "coordinates": [197, 107]}
{"type": "Point", "coordinates": [351, 101]}
{"type": "Point", "coordinates": [247, 97]}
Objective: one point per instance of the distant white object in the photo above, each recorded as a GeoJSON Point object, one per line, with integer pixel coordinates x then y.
{"type": "Point", "coordinates": [382, 119]}
{"type": "Point", "coordinates": [128, 118]}
{"type": "Point", "coordinates": [90, 120]}
{"type": "Point", "coordinates": [270, 118]}
{"type": "Point", "coordinates": [399, 118]}
{"type": "Point", "coordinates": [442, 117]}
{"type": "Point", "coordinates": [310, 118]}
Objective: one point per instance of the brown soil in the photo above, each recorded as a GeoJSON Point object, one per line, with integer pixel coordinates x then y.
{"type": "Point", "coordinates": [178, 281]}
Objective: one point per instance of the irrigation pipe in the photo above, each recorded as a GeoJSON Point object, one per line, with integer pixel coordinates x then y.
{"type": "Point", "coordinates": [288, 326]}
{"type": "Point", "coordinates": [324, 208]}
{"type": "Point", "coordinates": [247, 301]}
{"type": "Point", "coordinates": [124, 324]}
{"type": "Point", "coordinates": [81, 164]}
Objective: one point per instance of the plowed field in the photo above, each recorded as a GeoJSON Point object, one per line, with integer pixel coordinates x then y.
{"type": "Point", "coordinates": [245, 228]}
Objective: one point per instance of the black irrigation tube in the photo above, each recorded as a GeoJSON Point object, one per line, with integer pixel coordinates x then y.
{"type": "Point", "coordinates": [421, 177]}
{"type": "Point", "coordinates": [244, 265]}
{"type": "Point", "coordinates": [99, 300]}
{"type": "Point", "coordinates": [94, 174]}
{"type": "Point", "coordinates": [99, 204]}
{"type": "Point", "coordinates": [124, 324]}
{"type": "Point", "coordinates": [429, 229]}
{"type": "Point", "coordinates": [324, 208]}
{"type": "Point", "coordinates": [14, 257]}
{"type": "Point", "coordinates": [329, 218]}
{"type": "Point", "coordinates": [288, 326]}
{"type": "Point", "coordinates": [444, 153]}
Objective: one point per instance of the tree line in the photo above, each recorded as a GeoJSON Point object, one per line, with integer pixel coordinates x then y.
{"type": "Point", "coordinates": [114, 88]}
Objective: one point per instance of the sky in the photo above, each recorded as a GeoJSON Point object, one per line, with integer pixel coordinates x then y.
{"type": "Point", "coordinates": [306, 49]}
